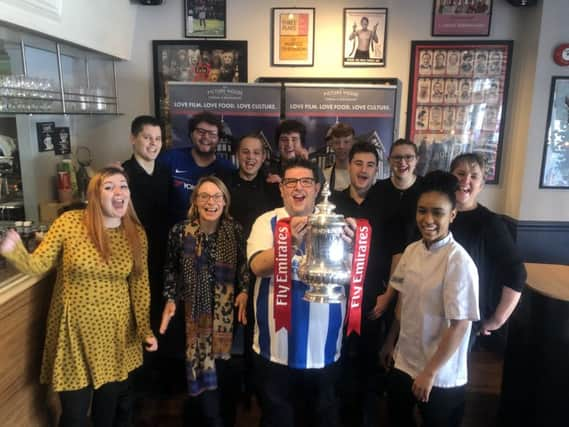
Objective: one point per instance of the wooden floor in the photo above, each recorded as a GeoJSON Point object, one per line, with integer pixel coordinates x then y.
{"type": "Point", "coordinates": [482, 400]}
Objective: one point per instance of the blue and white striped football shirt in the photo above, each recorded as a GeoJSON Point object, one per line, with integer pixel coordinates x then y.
{"type": "Point", "coordinates": [315, 338]}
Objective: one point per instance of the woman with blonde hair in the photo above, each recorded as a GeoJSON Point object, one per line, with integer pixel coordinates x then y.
{"type": "Point", "coordinates": [99, 314]}
{"type": "Point", "coordinates": [205, 268]}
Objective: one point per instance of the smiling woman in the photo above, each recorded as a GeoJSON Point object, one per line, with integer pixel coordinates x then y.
{"type": "Point", "coordinates": [205, 264]}
{"type": "Point", "coordinates": [99, 315]}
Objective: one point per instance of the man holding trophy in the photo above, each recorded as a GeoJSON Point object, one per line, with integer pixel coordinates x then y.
{"type": "Point", "coordinates": [298, 336]}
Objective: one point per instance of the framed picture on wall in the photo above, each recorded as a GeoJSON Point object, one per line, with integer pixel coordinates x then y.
{"type": "Point", "coordinates": [364, 37]}
{"type": "Point", "coordinates": [205, 19]}
{"type": "Point", "coordinates": [293, 37]}
{"type": "Point", "coordinates": [457, 101]}
{"type": "Point", "coordinates": [461, 18]}
{"type": "Point", "coordinates": [555, 161]}
{"type": "Point", "coordinates": [195, 61]}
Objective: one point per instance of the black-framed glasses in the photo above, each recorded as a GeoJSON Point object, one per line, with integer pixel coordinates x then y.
{"type": "Point", "coordinates": [407, 158]}
{"type": "Point", "coordinates": [205, 197]}
{"type": "Point", "coordinates": [304, 182]}
{"type": "Point", "coordinates": [205, 132]}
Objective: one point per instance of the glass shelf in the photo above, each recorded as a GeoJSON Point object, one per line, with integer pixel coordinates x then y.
{"type": "Point", "coordinates": [38, 75]}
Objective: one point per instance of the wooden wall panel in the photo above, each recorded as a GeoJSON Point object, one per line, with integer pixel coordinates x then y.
{"type": "Point", "coordinates": [23, 401]}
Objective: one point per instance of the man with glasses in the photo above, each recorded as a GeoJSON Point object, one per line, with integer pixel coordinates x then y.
{"type": "Point", "coordinates": [341, 139]}
{"type": "Point", "coordinates": [296, 356]}
{"type": "Point", "coordinates": [188, 164]}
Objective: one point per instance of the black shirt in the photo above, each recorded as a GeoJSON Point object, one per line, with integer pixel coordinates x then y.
{"type": "Point", "coordinates": [149, 195]}
{"type": "Point", "coordinates": [381, 250]}
{"type": "Point", "coordinates": [398, 208]}
{"type": "Point", "coordinates": [487, 240]}
{"type": "Point", "coordinates": [250, 199]}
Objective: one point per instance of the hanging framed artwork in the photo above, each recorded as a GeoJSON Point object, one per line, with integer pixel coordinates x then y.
{"type": "Point", "coordinates": [461, 18]}
{"type": "Point", "coordinates": [457, 101]}
{"type": "Point", "coordinates": [195, 61]}
{"type": "Point", "coordinates": [205, 19]}
{"type": "Point", "coordinates": [555, 161]}
{"type": "Point", "coordinates": [364, 37]}
{"type": "Point", "coordinates": [293, 37]}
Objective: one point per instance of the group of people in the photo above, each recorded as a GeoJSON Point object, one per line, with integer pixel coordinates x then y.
{"type": "Point", "coordinates": [182, 236]}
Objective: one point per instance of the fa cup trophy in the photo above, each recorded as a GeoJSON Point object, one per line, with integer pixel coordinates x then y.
{"type": "Point", "coordinates": [326, 267]}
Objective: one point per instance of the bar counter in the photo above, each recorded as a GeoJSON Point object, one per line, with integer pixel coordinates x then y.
{"type": "Point", "coordinates": [24, 303]}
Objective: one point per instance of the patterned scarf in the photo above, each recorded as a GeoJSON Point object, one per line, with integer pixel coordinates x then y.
{"type": "Point", "coordinates": [208, 271]}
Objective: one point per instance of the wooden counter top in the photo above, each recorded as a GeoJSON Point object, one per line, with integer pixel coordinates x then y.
{"type": "Point", "coordinates": [551, 280]}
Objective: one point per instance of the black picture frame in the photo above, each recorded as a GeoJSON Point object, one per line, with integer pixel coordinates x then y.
{"type": "Point", "coordinates": [457, 101]}
{"type": "Point", "coordinates": [352, 56]}
{"type": "Point", "coordinates": [297, 39]}
{"type": "Point", "coordinates": [172, 62]}
{"type": "Point", "coordinates": [46, 136]}
{"type": "Point", "coordinates": [457, 19]}
{"type": "Point", "coordinates": [214, 14]}
{"type": "Point", "coordinates": [555, 160]}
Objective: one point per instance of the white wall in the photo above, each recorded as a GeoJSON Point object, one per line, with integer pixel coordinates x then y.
{"type": "Point", "coordinates": [535, 32]}
{"type": "Point", "coordinates": [250, 20]}
{"type": "Point", "coordinates": [536, 203]}
{"type": "Point", "coordinates": [103, 25]}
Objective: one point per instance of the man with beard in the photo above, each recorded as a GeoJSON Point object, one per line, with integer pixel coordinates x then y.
{"type": "Point", "coordinates": [188, 164]}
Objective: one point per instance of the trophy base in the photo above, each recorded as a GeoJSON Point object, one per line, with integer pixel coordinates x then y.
{"type": "Point", "coordinates": [325, 294]}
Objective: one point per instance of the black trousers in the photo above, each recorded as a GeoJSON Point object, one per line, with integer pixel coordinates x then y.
{"type": "Point", "coordinates": [361, 381]}
{"type": "Point", "coordinates": [288, 395]}
{"type": "Point", "coordinates": [111, 406]}
{"type": "Point", "coordinates": [445, 407]}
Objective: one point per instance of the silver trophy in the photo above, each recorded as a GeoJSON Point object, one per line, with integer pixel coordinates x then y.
{"type": "Point", "coordinates": [325, 267]}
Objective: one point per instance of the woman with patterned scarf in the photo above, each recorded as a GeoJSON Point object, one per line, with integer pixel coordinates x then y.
{"type": "Point", "coordinates": [206, 267]}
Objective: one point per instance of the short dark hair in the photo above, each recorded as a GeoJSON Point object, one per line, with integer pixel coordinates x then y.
{"type": "Point", "coordinates": [363, 147]}
{"type": "Point", "coordinates": [364, 18]}
{"type": "Point", "coordinates": [403, 141]}
{"type": "Point", "coordinates": [299, 162]}
{"type": "Point", "coordinates": [440, 182]}
{"type": "Point", "coordinates": [289, 126]}
{"type": "Point", "coordinates": [340, 130]}
{"type": "Point", "coordinates": [139, 122]}
{"type": "Point", "coordinates": [255, 135]}
{"type": "Point", "coordinates": [471, 159]}
{"type": "Point", "coordinates": [207, 117]}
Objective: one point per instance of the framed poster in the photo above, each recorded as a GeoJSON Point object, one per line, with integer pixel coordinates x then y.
{"type": "Point", "coordinates": [461, 18]}
{"type": "Point", "coordinates": [62, 143]}
{"type": "Point", "coordinates": [205, 19]}
{"type": "Point", "coordinates": [46, 136]}
{"type": "Point", "coordinates": [364, 37]}
{"type": "Point", "coordinates": [555, 161]}
{"type": "Point", "coordinates": [457, 101]}
{"type": "Point", "coordinates": [293, 37]}
{"type": "Point", "coordinates": [195, 61]}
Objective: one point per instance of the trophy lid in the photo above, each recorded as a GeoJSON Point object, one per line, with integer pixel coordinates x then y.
{"type": "Point", "coordinates": [325, 209]}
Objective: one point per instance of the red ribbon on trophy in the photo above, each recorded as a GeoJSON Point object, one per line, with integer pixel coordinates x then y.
{"type": "Point", "coordinates": [362, 245]}
{"type": "Point", "coordinates": [282, 293]}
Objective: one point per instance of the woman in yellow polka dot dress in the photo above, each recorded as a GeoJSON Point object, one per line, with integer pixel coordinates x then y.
{"type": "Point", "coordinates": [99, 314]}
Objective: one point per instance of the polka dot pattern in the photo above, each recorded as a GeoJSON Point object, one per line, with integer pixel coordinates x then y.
{"type": "Point", "coordinates": [99, 312]}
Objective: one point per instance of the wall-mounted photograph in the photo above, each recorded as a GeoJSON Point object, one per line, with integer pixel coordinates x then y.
{"type": "Point", "coordinates": [293, 37]}
{"type": "Point", "coordinates": [364, 37]}
{"type": "Point", "coordinates": [461, 18]}
{"type": "Point", "coordinates": [457, 101]}
{"type": "Point", "coordinates": [205, 18]}
{"type": "Point", "coordinates": [555, 162]}
{"type": "Point", "coordinates": [196, 61]}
